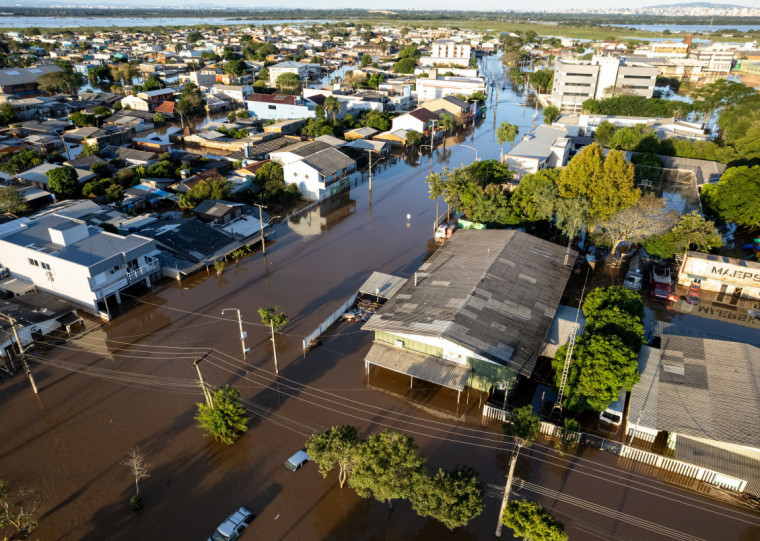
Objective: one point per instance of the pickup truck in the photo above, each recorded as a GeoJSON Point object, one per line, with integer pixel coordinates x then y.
{"type": "Point", "coordinates": [233, 526]}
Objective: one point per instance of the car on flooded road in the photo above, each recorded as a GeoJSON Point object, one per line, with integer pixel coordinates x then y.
{"type": "Point", "coordinates": [232, 528]}
{"type": "Point", "coordinates": [297, 460]}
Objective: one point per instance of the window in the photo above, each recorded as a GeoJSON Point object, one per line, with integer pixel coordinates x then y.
{"type": "Point", "coordinates": [34, 262]}
{"type": "Point", "coordinates": [273, 107]}
{"type": "Point", "coordinates": [45, 266]}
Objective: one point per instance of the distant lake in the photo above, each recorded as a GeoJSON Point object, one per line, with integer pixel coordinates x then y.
{"type": "Point", "coordinates": [74, 22]}
{"type": "Point", "coordinates": [688, 28]}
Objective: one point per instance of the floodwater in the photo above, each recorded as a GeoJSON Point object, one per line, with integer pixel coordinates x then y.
{"type": "Point", "coordinates": [135, 384]}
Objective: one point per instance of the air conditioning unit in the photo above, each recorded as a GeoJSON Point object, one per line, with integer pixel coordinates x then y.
{"type": "Point", "coordinates": [399, 343]}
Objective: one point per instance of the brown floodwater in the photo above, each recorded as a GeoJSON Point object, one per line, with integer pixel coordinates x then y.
{"type": "Point", "coordinates": [134, 384]}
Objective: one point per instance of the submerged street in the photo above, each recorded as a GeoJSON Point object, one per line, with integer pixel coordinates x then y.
{"type": "Point", "coordinates": [132, 382]}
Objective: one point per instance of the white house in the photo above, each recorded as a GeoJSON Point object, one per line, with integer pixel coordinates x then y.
{"type": "Point", "coordinates": [279, 106]}
{"type": "Point", "coordinates": [64, 257]}
{"type": "Point", "coordinates": [319, 174]}
{"type": "Point", "coordinates": [298, 68]}
{"type": "Point", "coordinates": [433, 88]}
{"type": "Point", "coordinates": [237, 93]}
{"type": "Point", "coordinates": [419, 120]}
{"type": "Point", "coordinates": [544, 147]}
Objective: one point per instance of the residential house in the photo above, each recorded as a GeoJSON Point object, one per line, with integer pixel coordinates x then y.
{"type": "Point", "coordinates": [475, 314]}
{"type": "Point", "coordinates": [130, 156]}
{"type": "Point", "coordinates": [279, 106]}
{"type": "Point", "coordinates": [360, 133]}
{"type": "Point", "coordinates": [23, 81]}
{"type": "Point", "coordinates": [38, 175]}
{"type": "Point", "coordinates": [546, 147]}
{"type": "Point", "coordinates": [237, 93]}
{"type": "Point", "coordinates": [276, 70]}
{"type": "Point", "coordinates": [64, 257]}
{"type": "Point", "coordinates": [149, 100]}
{"type": "Point", "coordinates": [419, 120]}
{"type": "Point", "coordinates": [217, 211]}
{"type": "Point", "coordinates": [435, 87]}
{"type": "Point", "coordinates": [319, 174]}
{"type": "Point", "coordinates": [460, 111]}
{"type": "Point", "coordinates": [698, 397]}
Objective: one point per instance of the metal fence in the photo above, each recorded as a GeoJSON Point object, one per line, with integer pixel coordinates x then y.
{"type": "Point", "coordinates": [316, 333]}
{"type": "Point", "coordinates": [678, 187]}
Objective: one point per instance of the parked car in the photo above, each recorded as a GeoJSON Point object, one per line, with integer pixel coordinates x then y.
{"type": "Point", "coordinates": [635, 275]}
{"type": "Point", "coordinates": [614, 412]}
{"type": "Point", "coordinates": [297, 460]}
{"type": "Point", "coordinates": [233, 526]}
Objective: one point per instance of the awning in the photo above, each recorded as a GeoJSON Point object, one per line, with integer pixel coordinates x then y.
{"type": "Point", "coordinates": [381, 284]}
{"type": "Point", "coordinates": [425, 367]}
{"type": "Point", "coordinates": [16, 286]}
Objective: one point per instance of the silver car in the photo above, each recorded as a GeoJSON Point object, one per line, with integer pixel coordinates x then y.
{"type": "Point", "coordinates": [233, 526]}
{"type": "Point", "coordinates": [297, 460]}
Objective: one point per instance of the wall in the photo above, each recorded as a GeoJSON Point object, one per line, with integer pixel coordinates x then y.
{"type": "Point", "coordinates": [722, 276]}
{"type": "Point", "coordinates": [278, 111]}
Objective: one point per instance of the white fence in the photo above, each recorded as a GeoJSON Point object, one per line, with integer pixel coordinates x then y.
{"type": "Point", "coordinates": [491, 413]}
{"type": "Point", "coordinates": [316, 333]}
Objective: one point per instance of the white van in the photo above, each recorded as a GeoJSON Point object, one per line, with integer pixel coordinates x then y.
{"type": "Point", "coordinates": [614, 412]}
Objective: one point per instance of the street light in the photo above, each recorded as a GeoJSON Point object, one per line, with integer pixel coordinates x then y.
{"type": "Point", "coordinates": [243, 334]}
{"type": "Point", "coordinates": [471, 148]}
{"type": "Point", "coordinates": [435, 224]}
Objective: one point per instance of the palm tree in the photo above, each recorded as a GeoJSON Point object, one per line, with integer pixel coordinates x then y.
{"type": "Point", "coordinates": [446, 122]}
{"type": "Point", "coordinates": [332, 106]}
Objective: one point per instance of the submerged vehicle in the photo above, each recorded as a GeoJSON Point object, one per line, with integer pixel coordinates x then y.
{"type": "Point", "coordinates": [634, 278]}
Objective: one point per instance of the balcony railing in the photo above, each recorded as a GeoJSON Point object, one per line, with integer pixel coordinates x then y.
{"type": "Point", "coordinates": [149, 268]}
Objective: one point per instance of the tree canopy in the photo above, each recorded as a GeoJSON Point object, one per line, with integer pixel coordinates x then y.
{"type": "Point", "coordinates": [691, 232]}
{"type": "Point", "coordinates": [452, 497]}
{"type": "Point", "coordinates": [337, 447]}
{"type": "Point", "coordinates": [532, 522]}
{"type": "Point", "coordinates": [226, 420]}
{"type": "Point", "coordinates": [523, 425]}
{"type": "Point", "coordinates": [736, 197]}
{"type": "Point", "coordinates": [63, 180]}
{"type": "Point", "coordinates": [11, 201]}
{"type": "Point", "coordinates": [647, 217]}
{"type": "Point", "coordinates": [389, 467]}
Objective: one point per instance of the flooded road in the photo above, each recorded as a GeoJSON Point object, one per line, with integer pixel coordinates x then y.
{"type": "Point", "coordinates": [132, 382]}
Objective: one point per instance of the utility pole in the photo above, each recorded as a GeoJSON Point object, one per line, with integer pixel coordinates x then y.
{"type": "Point", "coordinates": [206, 392]}
{"type": "Point", "coordinates": [370, 168]}
{"type": "Point", "coordinates": [21, 354]}
{"type": "Point", "coordinates": [274, 348]}
{"type": "Point", "coordinates": [261, 224]}
{"type": "Point", "coordinates": [243, 334]}
{"type": "Point", "coordinates": [507, 488]}
{"type": "Point", "coordinates": [65, 147]}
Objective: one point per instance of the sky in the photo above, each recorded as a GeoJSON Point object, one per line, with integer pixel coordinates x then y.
{"type": "Point", "coordinates": [420, 4]}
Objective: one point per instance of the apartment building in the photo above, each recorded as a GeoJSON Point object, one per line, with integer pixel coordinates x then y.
{"type": "Point", "coordinates": [576, 81]}
{"type": "Point", "coordinates": [65, 258]}
{"type": "Point", "coordinates": [447, 51]}
{"type": "Point", "coordinates": [717, 59]}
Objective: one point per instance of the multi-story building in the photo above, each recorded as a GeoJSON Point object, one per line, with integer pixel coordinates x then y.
{"type": "Point", "coordinates": [717, 59]}
{"type": "Point", "coordinates": [23, 81]}
{"type": "Point", "coordinates": [65, 258]}
{"type": "Point", "coordinates": [298, 68]}
{"type": "Point", "coordinates": [446, 51]}
{"type": "Point", "coordinates": [576, 81]}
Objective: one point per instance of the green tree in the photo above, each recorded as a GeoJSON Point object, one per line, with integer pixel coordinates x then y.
{"type": "Point", "coordinates": [60, 82]}
{"type": "Point", "coordinates": [235, 67]}
{"type": "Point", "coordinates": [276, 320]}
{"type": "Point", "coordinates": [691, 232]}
{"type": "Point", "coordinates": [413, 138]}
{"type": "Point", "coordinates": [194, 37]}
{"type": "Point", "coordinates": [152, 83]}
{"type": "Point", "coordinates": [82, 119]}
{"type": "Point", "coordinates": [647, 217]}
{"type": "Point", "coordinates": [63, 180]}
{"type": "Point", "coordinates": [332, 106]}
{"type": "Point", "coordinates": [337, 447]}
{"type": "Point", "coordinates": [451, 497]}
{"type": "Point", "coordinates": [551, 113]}
{"type": "Point", "coordinates": [158, 118]}
{"type": "Point", "coordinates": [507, 133]}
{"type": "Point", "coordinates": [532, 522]}
{"type": "Point", "coordinates": [405, 65]}
{"type": "Point", "coordinates": [289, 82]}
{"type": "Point", "coordinates": [389, 467]}
{"type": "Point", "coordinates": [720, 93]}
{"type": "Point", "coordinates": [568, 437]}
{"type": "Point", "coordinates": [190, 102]}
{"type": "Point", "coordinates": [115, 193]}
{"type": "Point", "coordinates": [523, 425]}
{"type": "Point", "coordinates": [600, 366]}
{"type": "Point", "coordinates": [604, 133]}
{"type": "Point", "coordinates": [736, 197]}
{"type": "Point", "coordinates": [225, 420]}
{"type": "Point", "coordinates": [446, 123]}
{"type": "Point", "coordinates": [21, 161]}
{"type": "Point", "coordinates": [216, 189]}
{"type": "Point", "coordinates": [607, 183]}
{"type": "Point", "coordinates": [529, 198]}
{"type": "Point", "coordinates": [366, 60]}
{"type": "Point", "coordinates": [18, 508]}
{"type": "Point", "coordinates": [7, 113]}
{"type": "Point", "coordinates": [616, 322]}
{"type": "Point", "coordinates": [92, 149]}
{"type": "Point", "coordinates": [604, 298]}
{"type": "Point", "coordinates": [11, 201]}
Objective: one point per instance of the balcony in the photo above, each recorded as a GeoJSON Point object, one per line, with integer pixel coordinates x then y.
{"type": "Point", "coordinates": [151, 266]}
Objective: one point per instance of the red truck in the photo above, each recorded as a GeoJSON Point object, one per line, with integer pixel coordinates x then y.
{"type": "Point", "coordinates": [662, 285]}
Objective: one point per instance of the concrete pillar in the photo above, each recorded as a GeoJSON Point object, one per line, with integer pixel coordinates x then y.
{"type": "Point", "coordinates": [118, 297]}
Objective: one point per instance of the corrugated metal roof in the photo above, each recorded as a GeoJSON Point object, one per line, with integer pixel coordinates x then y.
{"type": "Point", "coordinates": [562, 327]}
{"type": "Point", "coordinates": [328, 161]}
{"type": "Point", "coordinates": [734, 460]}
{"type": "Point", "coordinates": [662, 328]}
{"type": "Point", "coordinates": [384, 285]}
{"type": "Point", "coordinates": [493, 292]}
{"type": "Point", "coordinates": [425, 367]}
{"type": "Point", "coordinates": [708, 389]}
